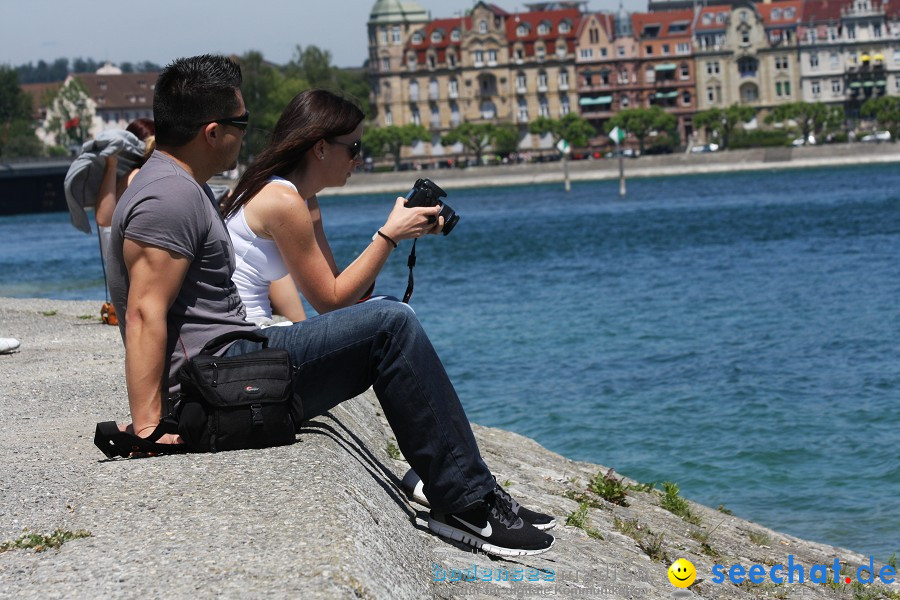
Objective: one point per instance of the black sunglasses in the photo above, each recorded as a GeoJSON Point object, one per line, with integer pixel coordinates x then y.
{"type": "Point", "coordinates": [352, 148]}
{"type": "Point", "coordinates": [240, 122]}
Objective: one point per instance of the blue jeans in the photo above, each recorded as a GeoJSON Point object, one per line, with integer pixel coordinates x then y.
{"type": "Point", "coordinates": [381, 344]}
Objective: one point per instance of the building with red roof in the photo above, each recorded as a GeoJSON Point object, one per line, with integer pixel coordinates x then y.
{"type": "Point", "coordinates": [489, 65]}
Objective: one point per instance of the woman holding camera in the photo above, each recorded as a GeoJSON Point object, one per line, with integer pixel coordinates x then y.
{"type": "Point", "coordinates": [275, 223]}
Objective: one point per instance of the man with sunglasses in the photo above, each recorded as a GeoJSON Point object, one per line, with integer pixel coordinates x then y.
{"type": "Point", "coordinates": [170, 278]}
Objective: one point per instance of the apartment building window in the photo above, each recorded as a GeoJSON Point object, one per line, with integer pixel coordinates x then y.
{"type": "Point", "coordinates": [620, 50]}
{"type": "Point", "coordinates": [453, 88]}
{"type": "Point", "coordinates": [816, 89]}
{"type": "Point", "coordinates": [411, 61]}
{"type": "Point", "coordinates": [836, 86]}
{"type": "Point", "coordinates": [811, 35]}
{"type": "Point", "coordinates": [561, 49]}
{"type": "Point", "coordinates": [834, 60]}
{"type": "Point", "coordinates": [745, 36]}
{"type": "Point", "coordinates": [454, 114]}
{"type": "Point", "coordinates": [649, 50]}
{"type": "Point", "coordinates": [431, 61]}
{"type": "Point", "coordinates": [384, 35]}
{"type": "Point", "coordinates": [683, 48]}
{"type": "Point", "coordinates": [707, 19]}
{"type": "Point", "coordinates": [814, 60]}
{"type": "Point", "coordinates": [540, 52]}
{"type": "Point", "coordinates": [594, 35]}
{"type": "Point", "coordinates": [712, 68]}
{"type": "Point", "coordinates": [897, 55]}
{"type": "Point", "coordinates": [437, 37]}
{"type": "Point", "coordinates": [488, 110]}
{"type": "Point", "coordinates": [624, 101]}
{"type": "Point", "coordinates": [542, 81]}
{"type": "Point", "coordinates": [563, 80]}
{"type": "Point", "coordinates": [685, 71]}
{"type": "Point", "coordinates": [416, 117]}
{"type": "Point", "coordinates": [603, 52]}
{"type": "Point", "coordinates": [781, 62]}
{"type": "Point", "coordinates": [521, 30]}
{"type": "Point", "coordinates": [649, 75]}
{"type": "Point", "coordinates": [710, 94]}
{"type": "Point", "coordinates": [417, 37]}
{"type": "Point", "coordinates": [451, 60]}
{"type": "Point", "coordinates": [523, 110]}
{"type": "Point", "coordinates": [482, 26]}
{"type": "Point", "coordinates": [686, 98]}
{"type": "Point", "coordinates": [521, 83]}
{"type": "Point", "coordinates": [565, 27]}
{"type": "Point", "coordinates": [665, 49]}
{"type": "Point", "coordinates": [876, 30]}
{"type": "Point", "coordinates": [832, 34]}
{"type": "Point", "coordinates": [564, 107]}
{"type": "Point", "coordinates": [395, 34]}
{"type": "Point", "coordinates": [623, 76]}
{"type": "Point", "coordinates": [520, 55]}
{"type": "Point", "coordinates": [413, 90]}
{"type": "Point", "coordinates": [851, 32]}
{"type": "Point", "coordinates": [388, 117]}
{"type": "Point", "coordinates": [433, 93]}
{"type": "Point", "coordinates": [435, 116]}
{"type": "Point", "coordinates": [543, 107]}
{"type": "Point", "coordinates": [586, 53]}
{"type": "Point", "coordinates": [454, 35]}
{"type": "Point", "coordinates": [543, 28]}
{"type": "Point", "coordinates": [385, 64]}
{"type": "Point", "coordinates": [492, 58]}
{"type": "Point", "coordinates": [478, 58]}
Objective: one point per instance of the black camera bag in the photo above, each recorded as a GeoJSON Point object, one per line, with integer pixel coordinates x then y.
{"type": "Point", "coordinates": [236, 402]}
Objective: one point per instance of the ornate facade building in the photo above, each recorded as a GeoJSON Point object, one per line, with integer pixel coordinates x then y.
{"type": "Point", "coordinates": [746, 53]}
{"type": "Point", "coordinates": [486, 66]}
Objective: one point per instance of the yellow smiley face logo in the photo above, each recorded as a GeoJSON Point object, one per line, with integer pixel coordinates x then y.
{"type": "Point", "coordinates": [682, 573]}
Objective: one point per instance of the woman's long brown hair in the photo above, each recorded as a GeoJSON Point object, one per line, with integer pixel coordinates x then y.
{"type": "Point", "coordinates": [311, 116]}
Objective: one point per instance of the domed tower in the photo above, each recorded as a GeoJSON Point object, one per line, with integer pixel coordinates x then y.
{"type": "Point", "coordinates": [622, 22]}
{"type": "Point", "coordinates": [391, 24]}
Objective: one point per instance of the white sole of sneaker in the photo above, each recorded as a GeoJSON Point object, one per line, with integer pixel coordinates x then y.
{"type": "Point", "coordinates": [545, 526]}
{"type": "Point", "coordinates": [448, 531]}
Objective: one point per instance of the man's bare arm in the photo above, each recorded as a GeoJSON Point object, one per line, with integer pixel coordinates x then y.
{"type": "Point", "coordinates": [155, 275]}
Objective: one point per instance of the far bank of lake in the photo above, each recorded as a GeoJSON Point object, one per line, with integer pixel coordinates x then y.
{"type": "Point", "coordinates": [730, 161]}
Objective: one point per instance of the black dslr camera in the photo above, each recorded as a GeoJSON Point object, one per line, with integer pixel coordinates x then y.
{"type": "Point", "coordinates": [427, 193]}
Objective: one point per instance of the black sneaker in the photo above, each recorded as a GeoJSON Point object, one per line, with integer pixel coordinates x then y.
{"type": "Point", "coordinates": [538, 520]}
{"type": "Point", "coordinates": [412, 485]}
{"type": "Point", "coordinates": [493, 527]}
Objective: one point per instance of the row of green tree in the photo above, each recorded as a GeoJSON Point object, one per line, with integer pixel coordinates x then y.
{"type": "Point", "coordinates": [59, 69]}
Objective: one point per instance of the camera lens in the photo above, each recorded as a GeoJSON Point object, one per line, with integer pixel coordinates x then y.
{"type": "Point", "coordinates": [450, 218]}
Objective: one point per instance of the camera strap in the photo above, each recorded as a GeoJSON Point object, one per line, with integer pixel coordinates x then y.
{"type": "Point", "coordinates": [410, 262]}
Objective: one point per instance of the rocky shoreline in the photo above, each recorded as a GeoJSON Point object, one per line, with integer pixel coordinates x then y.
{"type": "Point", "coordinates": [323, 518]}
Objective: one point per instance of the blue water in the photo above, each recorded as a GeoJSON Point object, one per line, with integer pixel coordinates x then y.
{"type": "Point", "coordinates": [737, 334]}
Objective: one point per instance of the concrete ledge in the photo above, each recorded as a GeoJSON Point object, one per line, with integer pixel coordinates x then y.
{"type": "Point", "coordinates": [323, 518]}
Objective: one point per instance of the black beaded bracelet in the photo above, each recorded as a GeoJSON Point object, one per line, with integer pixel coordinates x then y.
{"type": "Point", "coordinates": [387, 237]}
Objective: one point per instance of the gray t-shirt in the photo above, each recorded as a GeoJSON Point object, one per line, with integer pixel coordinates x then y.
{"type": "Point", "coordinates": [166, 207]}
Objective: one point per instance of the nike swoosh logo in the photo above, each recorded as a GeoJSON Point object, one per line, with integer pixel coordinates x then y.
{"type": "Point", "coordinates": [485, 531]}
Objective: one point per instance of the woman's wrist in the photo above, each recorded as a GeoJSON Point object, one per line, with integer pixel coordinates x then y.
{"type": "Point", "coordinates": [385, 237]}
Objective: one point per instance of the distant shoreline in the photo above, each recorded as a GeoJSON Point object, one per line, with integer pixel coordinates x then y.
{"type": "Point", "coordinates": [756, 159]}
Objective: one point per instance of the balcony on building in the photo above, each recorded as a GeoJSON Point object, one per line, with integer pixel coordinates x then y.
{"type": "Point", "coordinates": [591, 106]}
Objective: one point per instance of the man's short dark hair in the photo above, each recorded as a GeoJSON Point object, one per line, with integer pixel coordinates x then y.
{"type": "Point", "coordinates": [191, 91]}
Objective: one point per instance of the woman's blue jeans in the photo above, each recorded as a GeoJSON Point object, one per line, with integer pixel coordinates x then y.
{"type": "Point", "coordinates": [381, 344]}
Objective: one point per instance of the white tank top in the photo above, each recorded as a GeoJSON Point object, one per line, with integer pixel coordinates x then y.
{"type": "Point", "coordinates": [257, 263]}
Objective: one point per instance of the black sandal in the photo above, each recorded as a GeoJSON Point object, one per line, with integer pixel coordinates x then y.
{"type": "Point", "coordinates": [114, 442]}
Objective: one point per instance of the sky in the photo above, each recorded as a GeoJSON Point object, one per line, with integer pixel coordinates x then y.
{"type": "Point", "coordinates": [162, 30]}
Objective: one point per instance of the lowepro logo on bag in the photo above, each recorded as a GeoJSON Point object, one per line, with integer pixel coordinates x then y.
{"type": "Point", "coordinates": [251, 389]}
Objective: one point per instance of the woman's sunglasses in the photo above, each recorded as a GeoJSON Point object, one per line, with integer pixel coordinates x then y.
{"type": "Point", "coordinates": [352, 148]}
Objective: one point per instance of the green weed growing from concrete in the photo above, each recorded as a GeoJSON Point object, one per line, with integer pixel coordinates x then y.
{"type": "Point", "coordinates": [40, 542]}
{"type": "Point", "coordinates": [677, 505]}
{"type": "Point", "coordinates": [393, 451]}
{"type": "Point", "coordinates": [579, 518]}
{"type": "Point", "coordinates": [608, 487]}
